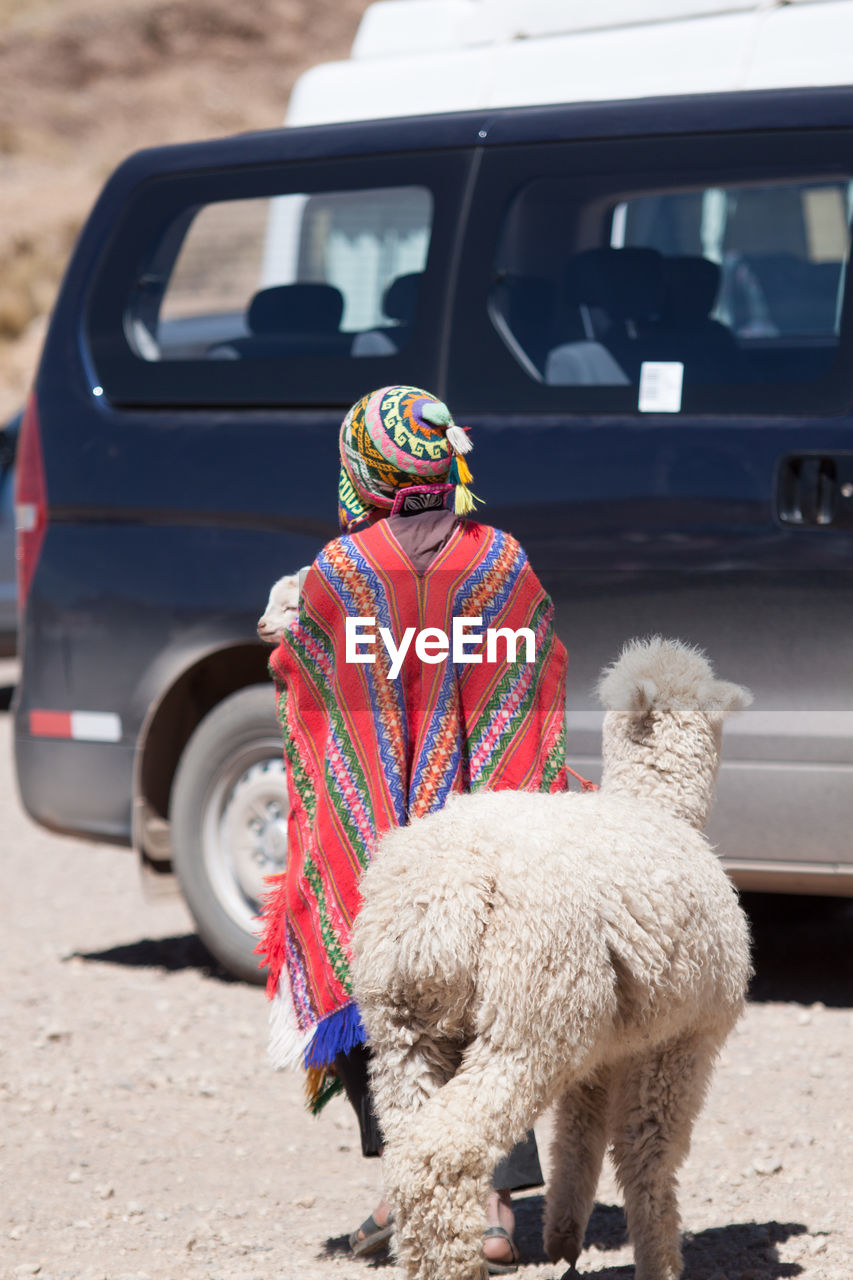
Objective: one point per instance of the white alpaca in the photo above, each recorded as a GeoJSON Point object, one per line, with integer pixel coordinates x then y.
{"type": "Point", "coordinates": [516, 950]}
{"type": "Point", "coordinates": [282, 609]}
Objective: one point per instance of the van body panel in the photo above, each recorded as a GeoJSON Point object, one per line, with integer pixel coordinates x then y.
{"type": "Point", "coordinates": [79, 788]}
{"type": "Point", "coordinates": [659, 553]}
{"type": "Point", "coordinates": [676, 524]}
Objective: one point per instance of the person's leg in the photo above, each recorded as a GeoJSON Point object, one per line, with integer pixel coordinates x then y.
{"type": "Point", "coordinates": [519, 1171]}
{"type": "Point", "coordinates": [374, 1233]}
{"type": "Point", "coordinates": [498, 1243]}
{"type": "Point", "coordinates": [352, 1069]}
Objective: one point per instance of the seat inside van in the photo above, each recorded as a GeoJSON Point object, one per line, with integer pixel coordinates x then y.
{"type": "Point", "coordinates": [399, 305]}
{"type": "Point", "coordinates": [290, 319]}
{"type": "Point", "coordinates": [624, 307]}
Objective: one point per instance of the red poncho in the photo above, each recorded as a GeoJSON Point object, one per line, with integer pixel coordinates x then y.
{"type": "Point", "coordinates": [365, 752]}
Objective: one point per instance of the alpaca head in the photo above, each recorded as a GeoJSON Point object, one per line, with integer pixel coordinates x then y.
{"type": "Point", "coordinates": [663, 727]}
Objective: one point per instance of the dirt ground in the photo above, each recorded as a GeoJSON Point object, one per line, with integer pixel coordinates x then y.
{"type": "Point", "coordinates": [144, 1137]}
{"type": "Point", "coordinates": [85, 82]}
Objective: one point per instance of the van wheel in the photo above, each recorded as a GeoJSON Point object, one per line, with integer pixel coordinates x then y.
{"type": "Point", "coordinates": [229, 823]}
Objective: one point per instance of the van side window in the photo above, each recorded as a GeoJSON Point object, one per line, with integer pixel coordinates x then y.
{"type": "Point", "coordinates": [331, 273]}
{"type": "Point", "coordinates": [288, 283]}
{"type": "Point", "coordinates": [710, 297]}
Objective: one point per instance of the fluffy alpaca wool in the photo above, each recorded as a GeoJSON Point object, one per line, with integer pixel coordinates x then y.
{"type": "Point", "coordinates": [517, 950]}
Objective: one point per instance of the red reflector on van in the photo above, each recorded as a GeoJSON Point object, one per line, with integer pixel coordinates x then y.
{"type": "Point", "coordinates": [83, 726]}
{"type": "Point", "coordinates": [50, 724]}
{"type": "Point", "coordinates": [30, 500]}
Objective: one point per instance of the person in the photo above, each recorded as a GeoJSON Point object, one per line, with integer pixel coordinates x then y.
{"type": "Point", "coordinates": [379, 729]}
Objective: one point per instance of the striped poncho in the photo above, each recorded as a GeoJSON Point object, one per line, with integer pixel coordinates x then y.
{"type": "Point", "coordinates": [366, 752]}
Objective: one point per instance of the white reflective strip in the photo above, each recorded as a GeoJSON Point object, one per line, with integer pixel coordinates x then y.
{"type": "Point", "coordinates": [26, 517]}
{"type": "Point", "coordinates": [96, 726]}
{"type": "Point", "coordinates": [771, 724]}
{"type": "Point", "coordinates": [791, 724]}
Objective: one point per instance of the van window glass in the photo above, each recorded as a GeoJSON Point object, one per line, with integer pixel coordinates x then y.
{"type": "Point", "coordinates": [712, 297]}
{"type": "Point", "coordinates": [328, 274]}
{"type": "Point", "coordinates": [245, 272]}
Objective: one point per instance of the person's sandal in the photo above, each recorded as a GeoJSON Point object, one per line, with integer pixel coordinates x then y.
{"type": "Point", "coordinates": [502, 1268]}
{"type": "Point", "coordinates": [370, 1237]}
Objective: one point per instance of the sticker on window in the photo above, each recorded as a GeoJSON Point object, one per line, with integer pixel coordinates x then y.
{"type": "Point", "coordinates": [660, 386]}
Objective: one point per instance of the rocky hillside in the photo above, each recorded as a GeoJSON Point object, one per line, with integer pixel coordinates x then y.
{"type": "Point", "coordinates": [84, 82]}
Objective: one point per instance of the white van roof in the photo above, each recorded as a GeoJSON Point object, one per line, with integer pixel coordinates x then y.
{"type": "Point", "coordinates": [413, 57]}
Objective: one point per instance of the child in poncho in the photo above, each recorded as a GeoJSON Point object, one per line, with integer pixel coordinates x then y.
{"type": "Point", "coordinates": [381, 726]}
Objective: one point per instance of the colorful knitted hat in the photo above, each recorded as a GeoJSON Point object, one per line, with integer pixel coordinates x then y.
{"type": "Point", "coordinates": [395, 438]}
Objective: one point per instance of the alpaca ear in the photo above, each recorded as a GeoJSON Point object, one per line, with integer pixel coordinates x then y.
{"type": "Point", "coordinates": [724, 698]}
{"type": "Point", "coordinates": [618, 690]}
{"type": "Point", "coordinates": [642, 697]}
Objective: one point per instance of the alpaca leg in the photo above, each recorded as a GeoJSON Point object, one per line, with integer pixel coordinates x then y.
{"type": "Point", "coordinates": [438, 1168]}
{"type": "Point", "coordinates": [405, 1071]}
{"type": "Point", "coordinates": [655, 1102]}
{"type": "Point", "coordinates": [577, 1152]}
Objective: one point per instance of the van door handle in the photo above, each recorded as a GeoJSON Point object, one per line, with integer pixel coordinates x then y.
{"type": "Point", "coordinates": [807, 492]}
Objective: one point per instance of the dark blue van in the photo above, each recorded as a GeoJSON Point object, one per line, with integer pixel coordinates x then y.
{"type": "Point", "coordinates": [643, 312]}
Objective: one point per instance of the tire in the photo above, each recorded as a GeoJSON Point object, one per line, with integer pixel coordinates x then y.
{"type": "Point", "coordinates": [229, 823]}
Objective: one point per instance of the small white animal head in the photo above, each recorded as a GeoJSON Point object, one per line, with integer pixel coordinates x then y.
{"type": "Point", "coordinates": [282, 609]}
{"type": "Point", "coordinates": [663, 728]}
{"type": "Point", "coordinates": [666, 674]}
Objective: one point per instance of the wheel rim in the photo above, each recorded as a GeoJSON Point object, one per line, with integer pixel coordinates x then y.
{"type": "Point", "coordinates": [245, 831]}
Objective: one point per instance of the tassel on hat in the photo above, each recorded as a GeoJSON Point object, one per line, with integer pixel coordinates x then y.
{"type": "Point", "coordinates": [459, 474]}
{"type": "Point", "coordinates": [464, 500]}
{"type": "Point", "coordinates": [457, 438]}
